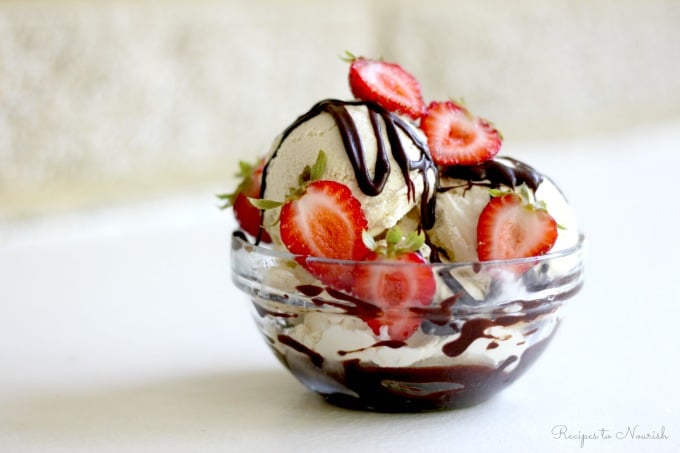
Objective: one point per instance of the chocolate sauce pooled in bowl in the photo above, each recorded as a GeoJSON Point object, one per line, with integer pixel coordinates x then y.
{"type": "Point", "coordinates": [354, 147]}
{"type": "Point", "coordinates": [356, 384]}
{"type": "Point", "coordinates": [347, 381]}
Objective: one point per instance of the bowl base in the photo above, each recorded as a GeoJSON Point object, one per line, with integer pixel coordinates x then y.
{"type": "Point", "coordinates": [402, 406]}
{"type": "Point", "coordinates": [368, 387]}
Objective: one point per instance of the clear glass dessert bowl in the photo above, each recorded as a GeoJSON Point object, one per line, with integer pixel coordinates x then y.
{"type": "Point", "coordinates": [486, 325]}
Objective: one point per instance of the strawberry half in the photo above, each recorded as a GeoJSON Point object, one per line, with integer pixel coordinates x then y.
{"type": "Point", "coordinates": [394, 289]}
{"type": "Point", "coordinates": [457, 137]}
{"type": "Point", "coordinates": [510, 227]}
{"type": "Point", "coordinates": [386, 84]}
{"type": "Point", "coordinates": [248, 216]}
{"type": "Point", "coordinates": [395, 278]}
{"type": "Point", "coordinates": [326, 220]}
{"type": "Point", "coordinates": [321, 219]}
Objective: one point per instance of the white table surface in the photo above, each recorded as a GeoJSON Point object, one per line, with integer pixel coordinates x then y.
{"type": "Point", "coordinates": [121, 331]}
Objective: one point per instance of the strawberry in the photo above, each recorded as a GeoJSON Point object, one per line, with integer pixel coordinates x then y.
{"type": "Point", "coordinates": [510, 227]}
{"type": "Point", "coordinates": [322, 219]}
{"type": "Point", "coordinates": [247, 215]}
{"type": "Point", "coordinates": [326, 220]}
{"type": "Point", "coordinates": [386, 84]}
{"type": "Point", "coordinates": [395, 280]}
{"type": "Point", "coordinates": [457, 137]}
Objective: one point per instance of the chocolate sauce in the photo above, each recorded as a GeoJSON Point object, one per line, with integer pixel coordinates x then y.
{"type": "Point", "coordinates": [236, 245]}
{"type": "Point", "coordinates": [472, 330]}
{"type": "Point", "coordinates": [310, 290]}
{"type": "Point", "coordinates": [409, 389]}
{"type": "Point", "coordinates": [354, 147]}
{"type": "Point", "coordinates": [359, 385]}
{"type": "Point", "coordinates": [494, 173]}
{"type": "Point", "coordinates": [393, 344]}
{"type": "Point", "coordinates": [315, 357]}
{"type": "Point", "coordinates": [350, 304]}
{"type": "Point", "coordinates": [438, 314]}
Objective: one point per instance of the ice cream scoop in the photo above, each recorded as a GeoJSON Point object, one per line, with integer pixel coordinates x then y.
{"type": "Point", "coordinates": [464, 191]}
{"type": "Point", "coordinates": [382, 158]}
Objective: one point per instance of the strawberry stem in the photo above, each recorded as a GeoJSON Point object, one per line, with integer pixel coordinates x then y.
{"type": "Point", "coordinates": [260, 203]}
{"type": "Point", "coordinates": [349, 57]}
{"type": "Point", "coordinates": [308, 175]}
{"type": "Point", "coordinates": [319, 166]}
{"type": "Point", "coordinates": [396, 243]}
{"type": "Point", "coordinates": [244, 174]}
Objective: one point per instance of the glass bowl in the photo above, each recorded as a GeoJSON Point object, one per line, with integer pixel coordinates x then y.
{"type": "Point", "coordinates": [487, 324]}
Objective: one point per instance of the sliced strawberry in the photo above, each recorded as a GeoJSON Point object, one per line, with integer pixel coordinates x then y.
{"type": "Point", "coordinates": [327, 221]}
{"type": "Point", "coordinates": [248, 216]}
{"type": "Point", "coordinates": [510, 227]}
{"type": "Point", "coordinates": [386, 84]}
{"type": "Point", "coordinates": [456, 137]}
{"type": "Point", "coordinates": [395, 286]}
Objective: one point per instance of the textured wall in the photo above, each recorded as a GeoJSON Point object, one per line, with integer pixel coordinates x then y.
{"type": "Point", "coordinates": [108, 100]}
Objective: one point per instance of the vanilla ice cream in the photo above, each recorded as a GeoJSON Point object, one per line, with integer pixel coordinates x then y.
{"type": "Point", "coordinates": [380, 157]}
{"type": "Point", "coordinates": [464, 192]}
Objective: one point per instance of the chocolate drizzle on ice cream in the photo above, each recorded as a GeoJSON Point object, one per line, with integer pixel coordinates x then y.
{"type": "Point", "coordinates": [386, 127]}
{"type": "Point", "coordinates": [494, 173]}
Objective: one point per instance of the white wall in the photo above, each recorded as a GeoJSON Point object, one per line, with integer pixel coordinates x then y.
{"type": "Point", "coordinates": [103, 101]}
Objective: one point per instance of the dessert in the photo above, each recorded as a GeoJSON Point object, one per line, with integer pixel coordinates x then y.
{"type": "Point", "coordinates": [394, 260]}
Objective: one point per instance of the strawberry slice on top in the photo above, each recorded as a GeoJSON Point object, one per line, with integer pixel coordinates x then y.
{"type": "Point", "coordinates": [396, 279]}
{"type": "Point", "coordinates": [457, 137]}
{"type": "Point", "coordinates": [386, 84]}
{"type": "Point", "coordinates": [247, 215]}
{"type": "Point", "coordinates": [510, 227]}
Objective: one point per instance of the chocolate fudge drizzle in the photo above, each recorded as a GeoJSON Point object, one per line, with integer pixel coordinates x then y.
{"type": "Point", "coordinates": [501, 171]}
{"type": "Point", "coordinates": [354, 147]}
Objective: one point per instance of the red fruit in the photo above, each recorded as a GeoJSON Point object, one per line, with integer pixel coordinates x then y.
{"type": "Point", "coordinates": [510, 228]}
{"type": "Point", "coordinates": [456, 137]}
{"type": "Point", "coordinates": [386, 84]}
{"type": "Point", "coordinates": [395, 288]}
{"type": "Point", "coordinates": [248, 216]}
{"type": "Point", "coordinates": [327, 221]}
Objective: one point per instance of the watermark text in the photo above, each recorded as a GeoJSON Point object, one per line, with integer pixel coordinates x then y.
{"type": "Point", "coordinates": [630, 433]}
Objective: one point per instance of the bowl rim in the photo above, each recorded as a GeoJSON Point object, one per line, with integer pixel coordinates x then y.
{"type": "Point", "coordinates": [241, 240]}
